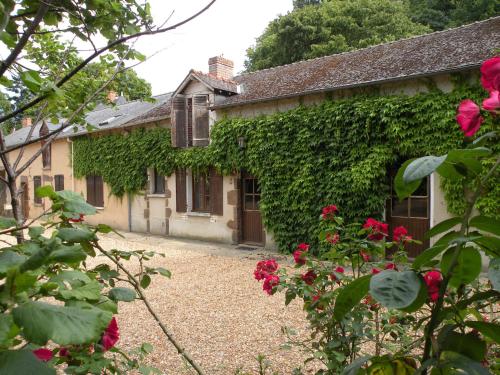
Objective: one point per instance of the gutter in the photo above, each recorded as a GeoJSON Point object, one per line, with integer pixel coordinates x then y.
{"type": "Point", "coordinates": [355, 85]}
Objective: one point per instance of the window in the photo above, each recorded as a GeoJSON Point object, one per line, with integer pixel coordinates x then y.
{"type": "Point", "coordinates": [37, 182]}
{"type": "Point", "coordinates": [95, 195]}
{"type": "Point", "coordinates": [58, 182]}
{"type": "Point", "coordinates": [416, 206]}
{"type": "Point", "coordinates": [46, 156]}
{"type": "Point", "coordinates": [190, 121]}
{"type": "Point", "coordinates": [158, 183]}
{"type": "Point", "coordinates": [201, 193]}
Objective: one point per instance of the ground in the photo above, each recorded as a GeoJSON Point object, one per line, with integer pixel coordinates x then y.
{"type": "Point", "coordinates": [213, 306]}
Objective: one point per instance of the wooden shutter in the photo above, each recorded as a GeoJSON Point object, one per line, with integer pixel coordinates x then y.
{"type": "Point", "coordinates": [179, 131]}
{"type": "Point", "coordinates": [37, 182]}
{"type": "Point", "coordinates": [99, 191]}
{"type": "Point", "coordinates": [189, 112]}
{"type": "Point", "coordinates": [201, 120]}
{"type": "Point", "coordinates": [90, 190]}
{"type": "Point", "coordinates": [216, 193]}
{"type": "Point", "coordinates": [180, 190]}
{"type": "Point", "coordinates": [59, 182]}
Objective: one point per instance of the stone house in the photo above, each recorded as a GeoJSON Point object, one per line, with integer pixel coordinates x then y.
{"type": "Point", "coordinates": [226, 208]}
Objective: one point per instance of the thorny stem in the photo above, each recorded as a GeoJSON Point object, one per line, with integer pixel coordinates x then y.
{"type": "Point", "coordinates": [433, 323]}
{"type": "Point", "coordinates": [145, 300]}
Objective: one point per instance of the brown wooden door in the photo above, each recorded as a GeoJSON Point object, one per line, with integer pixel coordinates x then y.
{"type": "Point", "coordinates": [252, 231]}
{"type": "Point", "coordinates": [25, 202]}
{"type": "Point", "coordinates": [413, 213]}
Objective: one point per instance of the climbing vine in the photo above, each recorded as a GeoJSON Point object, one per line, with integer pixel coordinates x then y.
{"type": "Point", "coordinates": [305, 158]}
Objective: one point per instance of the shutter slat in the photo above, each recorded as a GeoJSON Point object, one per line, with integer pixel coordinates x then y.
{"type": "Point", "coordinates": [99, 194]}
{"type": "Point", "coordinates": [216, 193]}
{"type": "Point", "coordinates": [90, 190]}
{"type": "Point", "coordinates": [201, 120]}
{"type": "Point", "coordinates": [180, 190]}
{"type": "Point", "coordinates": [179, 122]}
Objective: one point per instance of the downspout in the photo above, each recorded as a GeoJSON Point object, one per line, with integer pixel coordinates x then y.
{"type": "Point", "coordinates": [72, 165]}
{"type": "Point", "coordinates": [129, 199]}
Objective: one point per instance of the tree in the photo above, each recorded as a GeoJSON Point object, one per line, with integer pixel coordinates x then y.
{"type": "Point", "coordinates": [303, 3]}
{"type": "Point", "coordinates": [443, 14]}
{"type": "Point", "coordinates": [330, 27]}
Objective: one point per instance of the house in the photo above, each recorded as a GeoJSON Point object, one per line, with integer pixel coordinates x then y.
{"type": "Point", "coordinates": [226, 208]}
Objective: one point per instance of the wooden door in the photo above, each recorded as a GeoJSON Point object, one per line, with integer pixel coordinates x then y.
{"type": "Point", "coordinates": [25, 201]}
{"type": "Point", "coordinates": [252, 231]}
{"type": "Point", "coordinates": [413, 213]}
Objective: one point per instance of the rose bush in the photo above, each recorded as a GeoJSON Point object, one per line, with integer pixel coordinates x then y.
{"type": "Point", "coordinates": [437, 314]}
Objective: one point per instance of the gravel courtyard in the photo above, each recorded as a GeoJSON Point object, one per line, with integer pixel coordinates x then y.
{"type": "Point", "coordinates": [213, 306]}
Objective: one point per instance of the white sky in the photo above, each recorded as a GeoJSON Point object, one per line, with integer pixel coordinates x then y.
{"type": "Point", "coordinates": [229, 27]}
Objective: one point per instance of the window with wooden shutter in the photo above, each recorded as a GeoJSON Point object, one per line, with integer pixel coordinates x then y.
{"type": "Point", "coordinates": [189, 123]}
{"type": "Point", "coordinates": [201, 192]}
{"type": "Point", "coordinates": [200, 120]}
{"type": "Point", "coordinates": [216, 193]}
{"type": "Point", "coordinates": [95, 191]}
{"type": "Point", "coordinates": [37, 182]}
{"type": "Point", "coordinates": [180, 190]}
{"type": "Point", "coordinates": [179, 119]}
{"type": "Point", "coordinates": [46, 156]}
{"type": "Point", "coordinates": [58, 182]}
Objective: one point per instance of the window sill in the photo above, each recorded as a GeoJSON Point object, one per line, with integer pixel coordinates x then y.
{"type": "Point", "coordinates": [199, 214]}
{"type": "Point", "coordinates": [46, 168]}
{"type": "Point", "coordinates": [163, 195]}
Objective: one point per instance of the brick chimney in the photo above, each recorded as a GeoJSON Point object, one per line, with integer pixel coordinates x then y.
{"type": "Point", "coordinates": [220, 67]}
{"type": "Point", "coordinates": [26, 122]}
{"type": "Point", "coordinates": [111, 96]}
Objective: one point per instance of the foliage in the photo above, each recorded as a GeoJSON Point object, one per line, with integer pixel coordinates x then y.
{"type": "Point", "coordinates": [330, 27]}
{"type": "Point", "coordinates": [304, 158]}
{"type": "Point", "coordinates": [50, 295]}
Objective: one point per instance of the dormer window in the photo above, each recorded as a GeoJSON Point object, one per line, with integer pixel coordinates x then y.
{"type": "Point", "coordinates": [190, 120]}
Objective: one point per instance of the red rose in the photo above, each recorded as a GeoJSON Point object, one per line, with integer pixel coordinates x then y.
{"type": "Point", "coordinates": [63, 352]}
{"type": "Point", "coordinates": [265, 267]}
{"type": "Point", "coordinates": [433, 280]}
{"type": "Point", "coordinates": [378, 230]}
{"type": "Point", "coordinates": [317, 298]}
{"type": "Point", "coordinates": [339, 269]}
{"type": "Point", "coordinates": [333, 239]}
{"type": "Point", "coordinates": [309, 277]}
{"type": "Point", "coordinates": [369, 301]}
{"type": "Point", "coordinates": [391, 266]}
{"type": "Point", "coordinates": [79, 220]}
{"type": "Point", "coordinates": [365, 256]}
{"type": "Point", "coordinates": [375, 271]}
{"type": "Point", "coordinates": [43, 354]}
{"type": "Point", "coordinates": [111, 335]}
{"type": "Point", "coordinates": [400, 234]}
{"type": "Point", "coordinates": [299, 253]}
{"type": "Point", "coordinates": [492, 104]}
{"type": "Point", "coordinates": [469, 118]}
{"type": "Point", "coordinates": [490, 74]}
{"type": "Point", "coordinates": [329, 212]}
{"type": "Point", "coordinates": [270, 282]}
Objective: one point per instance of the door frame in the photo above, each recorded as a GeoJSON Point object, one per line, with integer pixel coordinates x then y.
{"type": "Point", "coordinates": [241, 203]}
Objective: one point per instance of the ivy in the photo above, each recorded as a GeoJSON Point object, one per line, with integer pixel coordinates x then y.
{"type": "Point", "coordinates": [337, 152]}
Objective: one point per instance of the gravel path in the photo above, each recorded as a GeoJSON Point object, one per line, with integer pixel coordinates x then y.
{"type": "Point", "coordinates": [214, 307]}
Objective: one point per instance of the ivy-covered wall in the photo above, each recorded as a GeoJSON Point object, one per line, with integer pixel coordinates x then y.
{"type": "Point", "coordinates": [337, 152]}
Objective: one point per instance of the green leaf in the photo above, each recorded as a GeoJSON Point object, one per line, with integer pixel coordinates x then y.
{"type": "Point", "coordinates": [164, 272]}
{"type": "Point", "coordinates": [289, 296]}
{"type": "Point", "coordinates": [68, 254]}
{"type": "Point", "coordinates": [70, 277]}
{"type": "Point", "coordinates": [350, 295]}
{"type": "Point", "coordinates": [490, 245]}
{"type": "Point", "coordinates": [427, 256]}
{"type": "Point", "coordinates": [122, 294]}
{"type": "Point", "coordinates": [35, 232]}
{"type": "Point", "coordinates": [467, 344]}
{"type": "Point", "coordinates": [8, 330]}
{"type": "Point", "coordinates": [421, 297]}
{"type": "Point", "coordinates": [74, 203]}
{"type": "Point", "coordinates": [9, 259]}
{"type": "Point", "coordinates": [455, 361]}
{"type": "Point", "coordinates": [31, 80]}
{"type": "Point", "coordinates": [403, 189]}
{"type": "Point", "coordinates": [45, 191]}
{"type": "Point", "coordinates": [491, 330]}
{"type": "Point", "coordinates": [395, 290]}
{"type": "Point", "coordinates": [468, 266]}
{"type": "Point", "coordinates": [23, 362]}
{"type": "Point", "coordinates": [483, 139]}
{"type": "Point", "coordinates": [487, 224]}
{"type": "Point", "coordinates": [145, 281]}
{"type": "Point", "coordinates": [103, 228]}
{"type": "Point", "coordinates": [442, 227]}
{"type": "Point", "coordinates": [75, 234]}
{"type": "Point", "coordinates": [64, 325]}
{"type": "Point", "coordinates": [355, 365]}
{"type": "Point", "coordinates": [494, 273]}
{"type": "Point", "coordinates": [90, 292]}
{"type": "Point", "coordinates": [7, 222]}
{"type": "Point", "coordinates": [422, 167]}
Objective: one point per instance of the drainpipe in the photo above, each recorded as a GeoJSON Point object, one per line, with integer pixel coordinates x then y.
{"type": "Point", "coordinates": [129, 199]}
{"type": "Point", "coordinates": [72, 166]}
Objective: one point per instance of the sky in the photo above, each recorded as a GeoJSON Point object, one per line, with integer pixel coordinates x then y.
{"type": "Point", "coordinates": [228, 28]}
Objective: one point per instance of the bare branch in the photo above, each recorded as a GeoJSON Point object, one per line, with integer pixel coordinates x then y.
{"type": "Point", "coordinates": [99, 52]}
{"type": "Point", "coordinates": [42, 10]}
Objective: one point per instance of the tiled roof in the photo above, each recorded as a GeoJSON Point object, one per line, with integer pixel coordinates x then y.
{"type": "Point", "coordinates": [451, 50]}
{"type": "Point", "coordinates": [216, 82]}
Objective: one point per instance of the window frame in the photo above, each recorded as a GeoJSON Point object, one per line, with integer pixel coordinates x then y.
{"type": "Point", "coordinates": [157, 187]}
{"type": "Point", "coordinates": [94, 201]}
{"type": "Point", "coordinates": [57, 183]}
{"type": "Point", "coordinates": [201, 186]}
{"type": "Point", "coordinates": [37, 182]}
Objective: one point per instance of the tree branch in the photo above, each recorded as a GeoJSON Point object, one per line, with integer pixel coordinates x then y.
{"type": "Point", "coordinates": [99, 52]}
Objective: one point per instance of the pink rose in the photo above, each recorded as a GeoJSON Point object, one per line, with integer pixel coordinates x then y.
{"type": "Point", "coordinates": [469, 117]}
{"type": "Point", "coordinates": [111, 335]}
{"type": "Point", "coordinates": [269, 283]}
{"type": "Point", "coordinates": [378, 230]}
{"type": "Point", "coordinates": [43, 354]}
{"type": "Point", "coordinates": [264, 268]}
{"type": "Point", "coordinates": [490, 74]}
{"type": "Point", "coordinates": [492, 104]}
{"type": "Point", "coordinates": [309, 277]}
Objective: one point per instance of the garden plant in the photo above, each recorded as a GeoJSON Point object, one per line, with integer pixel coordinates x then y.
{"type": "Point", "coordinates": [371, 311]}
